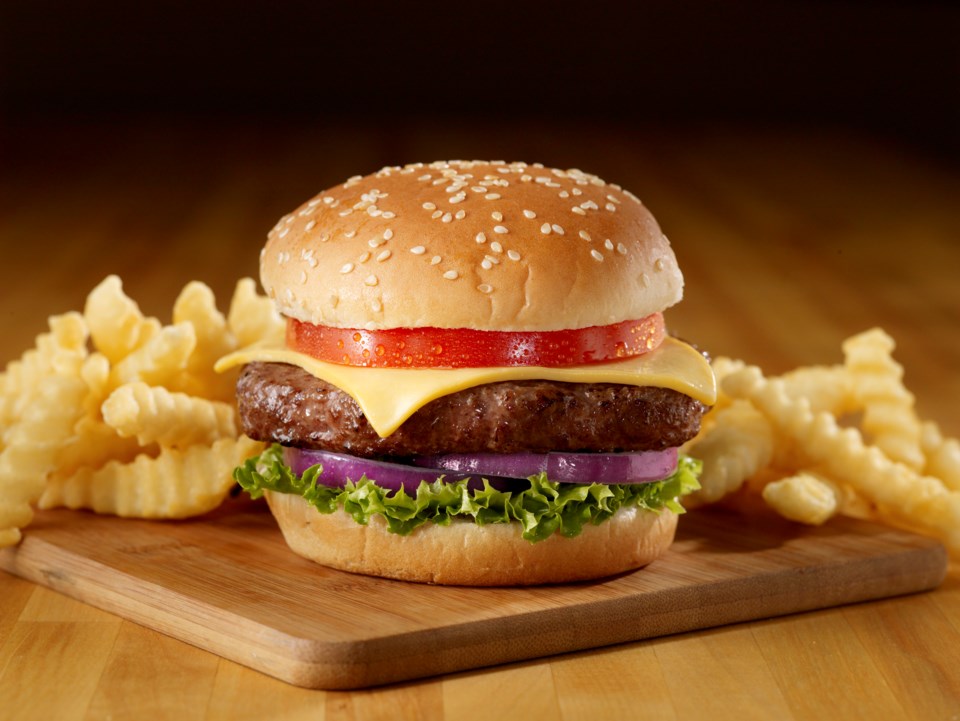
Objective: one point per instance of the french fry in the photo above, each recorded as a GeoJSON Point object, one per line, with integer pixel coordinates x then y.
{"type": "Point", "coordinates": [160, 361]}
{"type": "Point", "coordinates": [112, 411]}
{"type": "Point", "coordinates": [901, 494]}
{"type": "Point", "coordinates": [735, 447]}
{"type": "Point", "coordinates": [156, 415]}
{"type": "Point", "coordinates": [175, 484]}
{"type": "Point", "coordinates": [806, 497]}
{"type": "Point", "coordinates": [116, 324]}
{"type": "Point", "coordinates": [888, 407]}
{"type": "Point", "coordinates": [44, 424]}
{"type": "Point", "coordinates": [254, 318]}
{"type": "Point", "coordinates": [196, 307]}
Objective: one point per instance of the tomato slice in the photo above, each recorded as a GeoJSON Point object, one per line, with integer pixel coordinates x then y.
{"type": "Point", "coordinates": [466, 348]}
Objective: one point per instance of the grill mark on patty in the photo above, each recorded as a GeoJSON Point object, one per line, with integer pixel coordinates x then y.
{"type": "Point", "coordinates": [285, 404]}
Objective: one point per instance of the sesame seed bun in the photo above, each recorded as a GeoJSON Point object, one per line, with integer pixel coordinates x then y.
{"type": "Point", "coordinates": [464, 553]}
{"type": "Point", "coordinates": [481, 245]}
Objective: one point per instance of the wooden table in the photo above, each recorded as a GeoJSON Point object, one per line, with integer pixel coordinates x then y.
{"type": "Point", "coordinates": [790, 241]}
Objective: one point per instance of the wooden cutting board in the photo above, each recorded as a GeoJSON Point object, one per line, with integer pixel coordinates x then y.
{"type": "Point", "coordinates": [228, 584]}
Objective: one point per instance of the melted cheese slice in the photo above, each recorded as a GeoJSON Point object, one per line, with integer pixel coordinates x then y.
{"type": "Point", "coordinates": [389, 396]}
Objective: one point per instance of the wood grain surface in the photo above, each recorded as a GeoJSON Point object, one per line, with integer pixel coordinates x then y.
{"type": "Point", "coordinates": [790, 239]}
{"type": "Point", "coordinates": [227, 583]}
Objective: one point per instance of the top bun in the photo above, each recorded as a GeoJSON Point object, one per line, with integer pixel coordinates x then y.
{"type": "Point", "coordinates": [480, 245]}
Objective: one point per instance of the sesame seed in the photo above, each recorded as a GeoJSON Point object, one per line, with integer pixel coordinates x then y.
{"type": "Point", "coordinates": [500, 229]}
{"type": "Point", "coordinates": [597, 255]}
{"type": "Point", "coordinates": [485, 288]}
{"type": "Point", "coordinates": [384, 255]}
{"type": "Point", "coordinates": [387, 234]}
{"type": "Point", "coordinates": [608, 244]}
{"type": "Point", "coordinates": [436, 214]}
{"type": "Point", "coordinates": [545, 228]}
{"type": "Point", "coordinates": [350, 233]}
{"type": "Point", "coordinates": [283, 232]}
{"type": "Point", "coordinates": [658, 264]}
{"type": "Point", "coordinates": [324, 238]}
{"type": "Point", "coordinates": [492, 259]}
{"type": "Point", "coordinates": [345, 213]}
{"type": "Point", "coordinates": [447, 217]}
{"type": "Point", "coordinates": [589, 205]}
{"type": "Point", "coordinates": [481, 237]}
{"type": "Point", "coordinates": [610, 206]}
{"type": "Point", "coordinates": [374, 211]}
{"type": "Point", "coordinates": [486, 264]}
{"type": "Point", "coordinates": [529, 214]}
{"type": "Point", "coordinates": [496, 247]}
{"type": "Point", "coordinates": [376, 242]}
{"type": "Point", "coordinates": [346, 267]}
{"type": "Point", "coordinates": [461, 214]}
{"type": "Point", "coordinates": [513, 255]}
{"type": "Point", "coordinates": [435, 260]}
{"type": "Point", "coordinates": [564, 194]}
{"type": "Point", "coordinates": [312, 262]}
{"type": "Point", "coordinates": [365, 257]}
{"type": "Point", "coordinates": [451, 275]}
{"type": "Point", "coordinates": [370, 280]}
{"type": "Point", "coordinates": [576, 191]}
{"type": "Point", "coordinates": [327, 200]}
{"type": "Point", "coordinates": [376, 305]}
{"type": "Point", "coordinates": [613, 199]}
{"type": "Point", "coordinates": [478, 189]}
{"type": "Point", "coordinates": [388, 214]}
{"type": "Point", "coordinates": [303, 276]}
{"type": "Point", "coordinates": [557, 229]}
{"type": "Point", "coordinates": [424, 177]}
{"type": "Point", "coordinates": [418, 250]}
{"type": "Point", "coordinates": [578, 210]}
{"type": "Point", "coordinates": [458, 198]}
{"type": "Point", "coordinates": [492, 196]}
{"type": "Point", "coordinates": [310, 225]}
{"type": "Point", "coordinates": [621, 249]}
{"type": "Point", "coordinates": [497, 215]}
{"type": "Point", "coordinates": [429, 206]}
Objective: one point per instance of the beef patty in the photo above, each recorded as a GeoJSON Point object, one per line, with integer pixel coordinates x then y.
{"type": "Point", "coordinates": [284, 404]}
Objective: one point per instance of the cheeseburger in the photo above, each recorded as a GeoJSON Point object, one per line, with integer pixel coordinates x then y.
{"type": "Point", "coordinates": [477, 386]}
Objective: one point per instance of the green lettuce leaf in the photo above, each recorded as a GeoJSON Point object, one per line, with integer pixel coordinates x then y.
{"type": "Point", "coordinates": [545, 508]}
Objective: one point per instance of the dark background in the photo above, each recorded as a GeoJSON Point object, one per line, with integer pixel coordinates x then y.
{"type": "Point", "coordinates": [891, 69]}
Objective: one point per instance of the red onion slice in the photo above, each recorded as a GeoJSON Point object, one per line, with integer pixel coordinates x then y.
{"type": "Point", "coordinates": [611, 468]}
{"type": "Point", "coordinates": [340, 467]}
{"type": "Point", "coordinates": [502, 470]}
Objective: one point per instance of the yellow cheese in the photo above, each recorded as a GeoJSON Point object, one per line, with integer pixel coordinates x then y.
{"type": "Point", "coordinates": [388, 396]}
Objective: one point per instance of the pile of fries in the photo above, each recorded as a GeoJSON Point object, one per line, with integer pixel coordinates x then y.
{"type": "Point", "coordinates": [826, 440]}
{"type": "Point", "coordinates": [114, 412]}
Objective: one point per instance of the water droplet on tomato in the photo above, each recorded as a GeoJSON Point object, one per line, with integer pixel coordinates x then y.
{"type": "Point", "coordinates": [357, 337]}
{"type": "Point", "coordinates": [380, 350]}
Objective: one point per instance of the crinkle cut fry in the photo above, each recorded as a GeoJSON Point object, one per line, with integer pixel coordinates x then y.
{"type": "Point", "coordinates": [922, 502]}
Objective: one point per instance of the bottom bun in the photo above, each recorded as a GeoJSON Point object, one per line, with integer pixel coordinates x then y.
{"type": "Point", "coordinates": [465, 554]}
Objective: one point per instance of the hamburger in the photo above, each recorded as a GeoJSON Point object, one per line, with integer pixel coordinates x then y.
{"type": "Point", "coordinates": [477, 386]}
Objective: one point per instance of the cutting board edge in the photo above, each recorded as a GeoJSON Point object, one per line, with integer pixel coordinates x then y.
{"type": "Point", "coordinates": [315, 663]}
{"type": "Point", "coordinates": [925, 568]}
{"type": "Point", "coordinates": [108, 595]}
